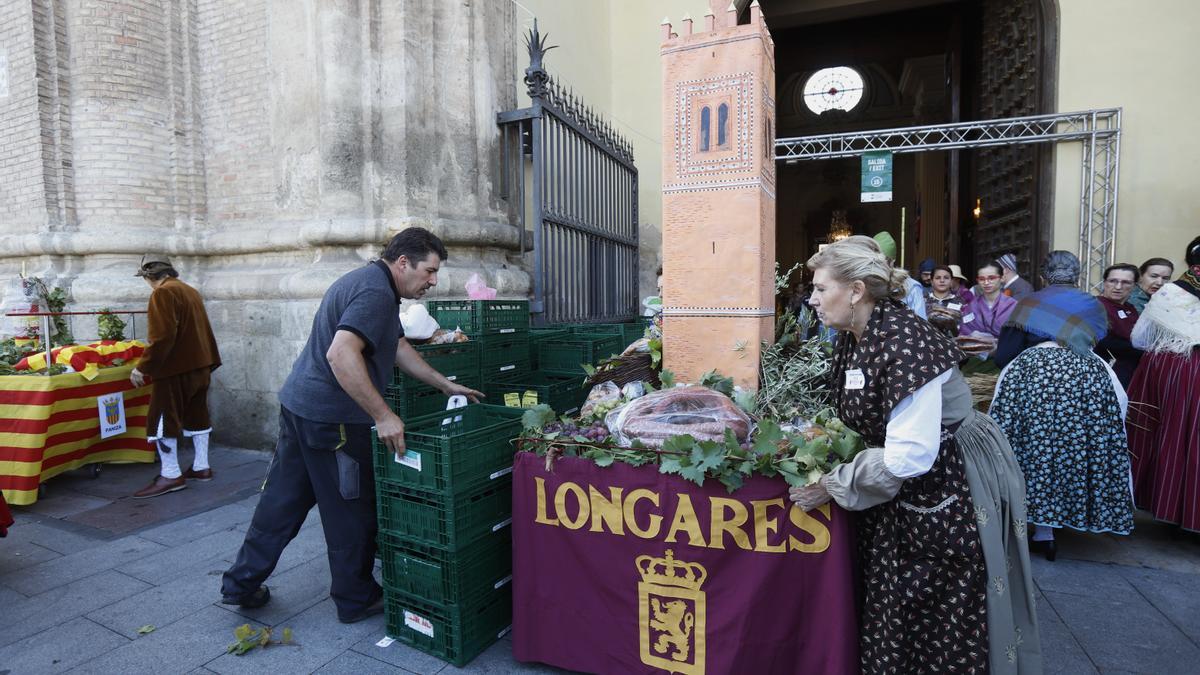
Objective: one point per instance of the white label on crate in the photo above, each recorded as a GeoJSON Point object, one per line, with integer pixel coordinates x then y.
{"type": "Point", "coordinates": [503, 581]}
{"type": "Point", "coordinates": [452, 377]}
{"type": "Point", "coordinates": [504, 632]}
{"type": "Point", "coordinates": [503, 523]}
{"type": "Point", "coordinates": [418, 623]}
{"type": "Point", "coordinates": [385, 642]}
{"type": "Point", "coordinates": [572, 411]}
{"type": "Point", "coordinates": [410, 459]}
{"type": "Point", "coordinates": [508, 330]}
{"type": "Point", "coordinates": [501, 472]}
{"type": "Point", "coordinates": [512, 367]}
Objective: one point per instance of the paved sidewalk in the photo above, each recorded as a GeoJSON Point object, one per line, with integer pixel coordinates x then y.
{"type": "Point", "coordinates": [76, 583]}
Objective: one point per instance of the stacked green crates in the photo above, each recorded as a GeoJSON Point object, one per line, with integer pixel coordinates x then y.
{"type": "Point", "coordinates": [458, 361]}
{"type": "Point", "coordinates": [567, 355]}
{"type": "Point", "coordinates": [501, 327]}
{"type": "Point", "coordinates": [564, 393]}
{"type": "Point", "coordinates": [445, 510]}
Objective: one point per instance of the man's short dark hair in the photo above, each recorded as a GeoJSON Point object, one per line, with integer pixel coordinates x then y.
{"type": "Point", "coordinates": [1122, 267]}
{"type": "Point", "coordinates": [1156, 261]}
{"type": "Point", "coordinates": [161, 272]}
{"type": "Point", "coordinates": [414, 243]}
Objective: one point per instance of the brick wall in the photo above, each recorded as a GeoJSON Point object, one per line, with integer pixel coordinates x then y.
{"type": "Point", "coordinates": [21, 188]}
{"type": "Point", "coordinates": [235, 111]}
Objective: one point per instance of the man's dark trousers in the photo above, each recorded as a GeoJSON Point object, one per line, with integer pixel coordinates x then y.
{"type": "Point", "coordinates": [329, 465]}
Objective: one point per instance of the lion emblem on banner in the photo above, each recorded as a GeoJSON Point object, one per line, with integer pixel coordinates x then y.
{"type": "Point", "coordinates": [671, 610]}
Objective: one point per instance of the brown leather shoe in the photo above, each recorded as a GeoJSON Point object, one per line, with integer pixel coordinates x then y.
{"type": "Point", "coordinates": [161, 486]}
{"type": "Point", "coordinates": [203, 475]}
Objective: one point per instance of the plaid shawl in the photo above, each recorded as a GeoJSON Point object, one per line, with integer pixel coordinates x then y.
{"type": "Point", "coordinates": [1063, 314]}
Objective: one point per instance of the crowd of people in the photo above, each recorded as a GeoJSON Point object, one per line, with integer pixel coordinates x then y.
{"type": "Point", "coordinates": [1096, 408]}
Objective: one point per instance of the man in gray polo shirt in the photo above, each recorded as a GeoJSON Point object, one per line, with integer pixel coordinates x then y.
{"type": "Point", "coordinates": [327, 407]}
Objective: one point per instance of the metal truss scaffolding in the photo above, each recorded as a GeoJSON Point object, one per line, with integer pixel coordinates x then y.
{"type": "Point", "coordinates": [1099, 131]}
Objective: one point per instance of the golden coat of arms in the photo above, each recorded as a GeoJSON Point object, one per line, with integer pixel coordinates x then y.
{"type": "Point", "coordinates": [671, 613]}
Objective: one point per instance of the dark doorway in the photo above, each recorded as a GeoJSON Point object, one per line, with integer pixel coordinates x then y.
{"type": "Point", "coordinates": [917, 62]}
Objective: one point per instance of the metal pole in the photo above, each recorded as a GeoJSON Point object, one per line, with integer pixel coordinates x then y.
{"type": "Point", "coordinates": [902, 237]}
{"type": "Point", "coordinates": [45, 320]}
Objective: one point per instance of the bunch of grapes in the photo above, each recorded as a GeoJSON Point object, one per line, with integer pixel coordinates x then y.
{"type": "Point", "coordinates": [595, 432]}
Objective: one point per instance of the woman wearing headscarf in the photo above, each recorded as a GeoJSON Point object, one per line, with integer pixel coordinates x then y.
{"type": "Point", "coordinates": [1063, 410]}
{"type": "Point", "coordinates": [1164, 424]}
{"type": "Point", "coordinates": [1152, 275]}
{"type": "Point", "coordinates": [941, 524]}
{"type": "Point", "coordinates": [1119, 281]}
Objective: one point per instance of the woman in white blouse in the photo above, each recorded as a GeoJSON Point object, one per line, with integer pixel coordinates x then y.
{"type": "Point", "coordinates": [941, 525]}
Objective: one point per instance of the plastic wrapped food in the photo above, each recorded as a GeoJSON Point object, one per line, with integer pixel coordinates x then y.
{"type": "Point", "coordinates": [697, 411]}
{"type": "Point", "coordinates": [601, 399]}
{"type": "Point", "coordinates": [442, 336]}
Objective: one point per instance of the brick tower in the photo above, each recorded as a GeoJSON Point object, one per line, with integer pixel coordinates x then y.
{"type": "Point", "coordinates": [718, 197]}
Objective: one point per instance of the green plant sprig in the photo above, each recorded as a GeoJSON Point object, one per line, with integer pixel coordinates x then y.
{"type": "Point", "coordinates": [799, 458]}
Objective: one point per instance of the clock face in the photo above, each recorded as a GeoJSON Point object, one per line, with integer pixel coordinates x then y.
{"type": "Point", "coordinates": [838, 88]}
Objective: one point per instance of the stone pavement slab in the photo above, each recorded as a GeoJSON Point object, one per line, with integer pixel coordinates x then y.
{"type": "Point", "coordinates": [65, 603]}
{"type": "Point", "coordinates": [44, 576]}
{"type": "Point", "coordinates": [17, 555]}
{"type": "Point", "coordinates": [160, 567]}
{"type": "Point", "coordinates": [202, 524]}
{"type": "Point", "coordinates": [353, 663]}
{"type": "Point", "coordinates": [498, 660]}
{"type": "Point", "coordinates": [320, 639]}
{"type": "Point", "coordinates": [195, 588]}
{"type": "Point", "coordinates": [60, 648]}
{"type": "Point", "coordinates": [1125, 634]}
{"type": "Point", "coordinates": [1172, 593]}
{"type": "Point", "coordinates": [1061, 652]}
{"type": "Point", "coordinates": [179, 647]}
{"type": "Point", "coordinates": [62, 538]}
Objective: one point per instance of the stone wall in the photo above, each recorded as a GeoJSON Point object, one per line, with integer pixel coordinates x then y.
{"type": "Point", "coordinates": [268, 146]}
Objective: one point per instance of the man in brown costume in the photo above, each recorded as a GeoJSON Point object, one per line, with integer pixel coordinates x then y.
{"type": "Point", "coordinates": [181, 356]}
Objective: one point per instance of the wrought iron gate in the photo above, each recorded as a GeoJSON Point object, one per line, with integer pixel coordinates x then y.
{"type": "Point", "coordinates": [582, 201]}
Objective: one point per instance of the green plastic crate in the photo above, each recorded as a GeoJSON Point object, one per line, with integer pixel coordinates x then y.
{"type": "Point", "coordinates": [504, 356]}
{"type": "Point", "coordinates": [447, 522]}
{"type": "Point", "coordinates": [478, 318]}
{"type": "Point", "coordinates": [462, 577]}
{"type": "Point", "coordinates": [567, 356]}
{"type": "Point", "coordinates": [454, 360]}
{"type": "Point", "coordinates": [536, 336]}
{"type": "Point", "coordinates": [417, 400]}
{"type": "Point", "coordinates": [452, 449]}
{"type": "Point", "coordinates": [633, 332]}
{"type": "Point", "coordinates": [455, 633]}
{"type": "Point", "coordinates": [564, 393]}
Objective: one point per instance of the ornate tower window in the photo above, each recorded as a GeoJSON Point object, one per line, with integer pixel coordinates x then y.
{"type": "Point", "coordinates": [723, 126]}
{"type": "Point", "coordinates": [839, 88]}
{"type": "Point", "coordinates": [705, 114]}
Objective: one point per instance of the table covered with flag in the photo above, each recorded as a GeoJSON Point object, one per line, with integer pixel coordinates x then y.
{"type": "Point", "coordinates": [51, 424]}
{"type": "Point", "coordinates": [622, 569]}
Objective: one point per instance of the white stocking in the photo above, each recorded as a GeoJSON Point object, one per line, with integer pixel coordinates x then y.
{"type": "Point", "coordinates": [1043, 533]}
{"type": "Point", "coordinates": [168, 452]}
{"type": "Point", "coordinates": [200, 462]}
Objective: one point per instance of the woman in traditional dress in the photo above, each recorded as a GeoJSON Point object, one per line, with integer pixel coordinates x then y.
{"type": "Point", "coordinates": [1063, 410]}
{"type": "Point", "coordinates": [1164, 423]}
{"type": "Point", "coordinates": [1152, 275]}
{"type": "Point", "coordinates": [1119, 282]}
{"type": "Point", "coordinates": [941, 529]}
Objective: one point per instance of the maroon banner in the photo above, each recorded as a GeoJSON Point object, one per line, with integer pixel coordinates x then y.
{"type": "Point", "coordinates": [624, 570]}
